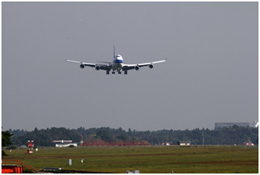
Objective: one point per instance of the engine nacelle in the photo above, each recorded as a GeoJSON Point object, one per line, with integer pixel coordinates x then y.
{"type": "Point", "coordinates": [137, 67]}
{"type": "Point", "coordinates": [124, 68]}
{"type": "Point", "coordinates": [151, 66]}
{"type": "Point", "coordinates": [97, 67]}
{"type": "Point", "coordinates": [82, 66]}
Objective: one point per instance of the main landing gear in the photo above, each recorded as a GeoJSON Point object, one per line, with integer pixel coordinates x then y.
{"type": "Point", "coordinates": [119, 72]}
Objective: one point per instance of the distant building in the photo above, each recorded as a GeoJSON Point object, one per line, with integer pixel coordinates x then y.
{"type": "Point", "coordinates": [231, 124]}
{"type": "Point", "coordinates": [166, 144]}
{"type": "Point", "coordinates": [63, 145]}
{"type": "Point", "coordinates": [23, 146]}
{"type": "Point", "coordinates": [249, 144]}
{"type": "Point", "coordinates": [184, 143]}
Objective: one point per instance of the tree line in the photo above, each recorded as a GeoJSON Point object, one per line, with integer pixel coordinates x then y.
{"type": "Point", "coordinates": [225, 136]}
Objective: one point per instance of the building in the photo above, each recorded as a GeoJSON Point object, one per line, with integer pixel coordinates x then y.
{"type": "Point", "coordinates": [231, 124]}
{"type": "Point", "coordinates": [184, 143]}
{"type": "Point", "coordinates": [63, 145]}
{"type": "Point", "coordinates": [166, 144]}
{"type": "Point", "coordinates": [249, 144]}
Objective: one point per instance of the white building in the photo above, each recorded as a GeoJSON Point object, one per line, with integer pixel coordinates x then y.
{"type": "Point", "coordinates": [166, 144]}
{"type": "Point", "coordinates": [185, 143]}
{"type": "Point", "coordinates": [63, 145]}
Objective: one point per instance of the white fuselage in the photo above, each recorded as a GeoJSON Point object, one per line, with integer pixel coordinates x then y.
{"type": "Point", "coordinates": [117, 64]}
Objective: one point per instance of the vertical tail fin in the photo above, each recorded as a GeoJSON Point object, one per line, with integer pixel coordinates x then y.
{"type": "Point", "coordinates": [114, 56]}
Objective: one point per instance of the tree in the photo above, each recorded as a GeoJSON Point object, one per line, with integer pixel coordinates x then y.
{"type": "Point", "coordinates": [105, 134]}
{"type": "Point", "coordinates": [123, 137]}
{"type": "Point", "coordinates": [35, 129]}
{"type": "Point", "coordinates": [6, 140]}
{"type": "Point", "coordinates": [224, 136]}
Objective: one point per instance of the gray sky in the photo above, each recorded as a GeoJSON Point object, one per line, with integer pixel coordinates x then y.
{"type": "Point", "coordinates": [210, 75]}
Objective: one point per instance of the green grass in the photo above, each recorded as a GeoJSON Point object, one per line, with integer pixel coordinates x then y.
{"type": "Point", "coordinates": [151, 159]}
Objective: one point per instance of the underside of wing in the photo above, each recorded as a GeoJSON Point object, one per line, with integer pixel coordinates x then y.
{"type": "Point", "coordinates": [151, 63]}
{"type": "Point", "coordinates": [137, 66]}
{"type": "Point", "coordinates": [97, 66]}
{"type": "Point", "coordinates": [82, 63]}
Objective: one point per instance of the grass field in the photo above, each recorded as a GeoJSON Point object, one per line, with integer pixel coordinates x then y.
{"type": "Point", "coordinates": [150, 159]}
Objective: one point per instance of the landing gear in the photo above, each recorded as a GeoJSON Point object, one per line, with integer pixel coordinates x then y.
{"type": "Point", "coordinates": [119, 72]}
{"type": "Point", "coordinates": [113, 72]}
{"type": "Point", "coordinates": [107, 72]}
{"type": "Point", "coordinates": [125, 72]}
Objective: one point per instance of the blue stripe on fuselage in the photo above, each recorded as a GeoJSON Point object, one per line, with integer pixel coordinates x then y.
{"type": "Point", "coordinates": [118, 61]}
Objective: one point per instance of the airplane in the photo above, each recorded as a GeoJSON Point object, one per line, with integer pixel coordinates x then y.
{"type": "Point", "coordinates": [116, 65]}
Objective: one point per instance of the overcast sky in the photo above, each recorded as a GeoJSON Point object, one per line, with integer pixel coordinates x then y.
{"type": "Point", "coordinates": [210, 74]}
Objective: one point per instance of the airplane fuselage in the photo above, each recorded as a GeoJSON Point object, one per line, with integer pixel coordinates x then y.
{"type": "Point", "coordinates": [117, 63]}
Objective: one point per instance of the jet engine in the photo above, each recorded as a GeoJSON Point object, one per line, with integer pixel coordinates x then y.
{"type": "Point", "coordinates": [137, 67]}
{"type": "Point", "coordinates": [82, 66]}
{"type": "Point", "coordinates": [151, 66]}
{"type": "Point", "coordinates": [97, 67]}
{"type": "Point", "coordinates": [124, 68]}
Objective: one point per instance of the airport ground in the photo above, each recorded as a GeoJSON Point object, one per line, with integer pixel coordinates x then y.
{"type": "Point", "coordinates": [146, 159]}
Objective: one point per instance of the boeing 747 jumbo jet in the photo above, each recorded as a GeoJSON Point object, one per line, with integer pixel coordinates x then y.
{"type": "Point", "coordinates": [116, 65]}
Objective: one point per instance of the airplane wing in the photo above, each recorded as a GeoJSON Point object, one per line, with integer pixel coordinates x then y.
{"type": "Point", "coordinates": [95, 65]}
{"type": "Point", "coordinates": [83, 63]}
{"type": "Point", "coordinates": [137, 66]}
